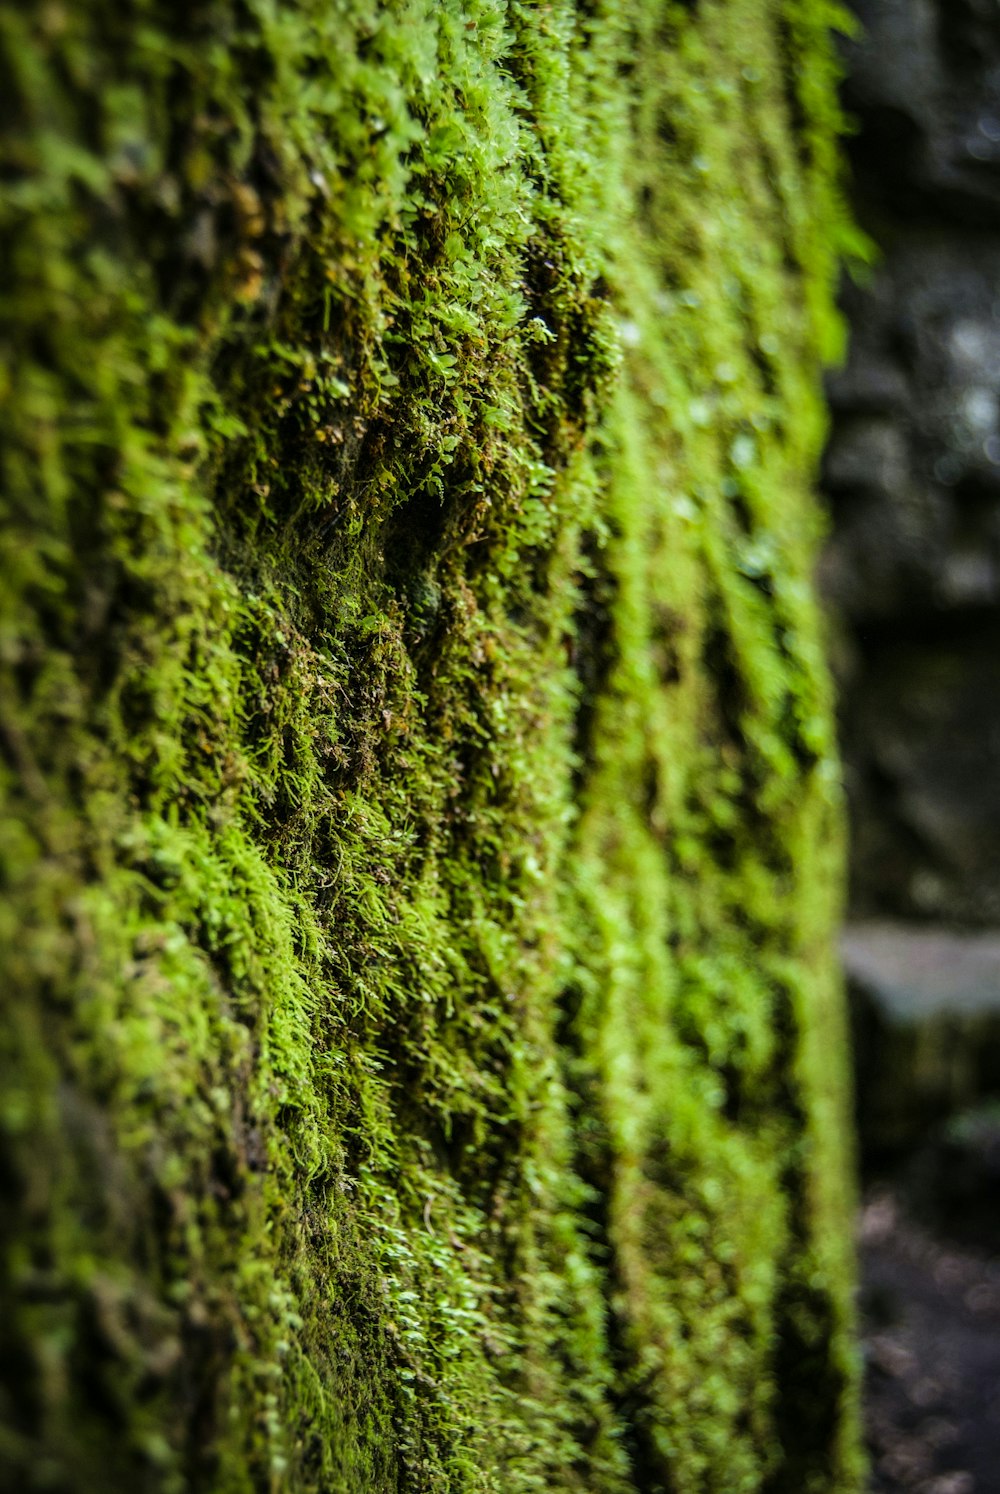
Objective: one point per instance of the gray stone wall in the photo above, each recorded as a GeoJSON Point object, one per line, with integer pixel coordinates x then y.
{"type": "Point", "coordinates": [913, 467]}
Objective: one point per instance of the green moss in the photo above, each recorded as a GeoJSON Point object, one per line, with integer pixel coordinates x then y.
{"type": "Point", "coordinates": [422, 1065]}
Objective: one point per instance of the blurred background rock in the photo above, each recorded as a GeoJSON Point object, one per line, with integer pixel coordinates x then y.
{"type": "Point", "coordinates": [912, 573]}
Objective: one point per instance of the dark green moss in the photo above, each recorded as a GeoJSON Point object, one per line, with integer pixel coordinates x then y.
{"type": "Point", "coordinates": [422, 1064]}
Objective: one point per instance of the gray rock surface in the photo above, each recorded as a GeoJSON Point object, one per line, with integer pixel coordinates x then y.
{"type": "Point", "coordinates": [913, 467]}
{"type": "Point", "coordinates": [926, 1009]}
{"type": "Point", "coordinates": [920, 973]}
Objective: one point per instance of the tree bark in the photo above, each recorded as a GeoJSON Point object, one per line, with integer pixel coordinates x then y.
{"type": "Point", "coordinates": [423, 1061]}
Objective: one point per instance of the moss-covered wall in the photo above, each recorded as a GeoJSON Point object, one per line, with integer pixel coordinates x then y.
{"type": "Point", "coordinates": [421, 1061]}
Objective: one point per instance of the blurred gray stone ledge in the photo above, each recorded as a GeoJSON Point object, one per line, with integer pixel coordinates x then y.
{"type": "Point", "coordinates": [925, 1005]}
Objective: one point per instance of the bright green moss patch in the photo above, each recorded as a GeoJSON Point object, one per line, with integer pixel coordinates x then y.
{"type": "Point", "coordinates": [422, 1064]}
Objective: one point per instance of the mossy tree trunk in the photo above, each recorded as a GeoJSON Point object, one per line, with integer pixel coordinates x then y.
{"type": "Point", "coordinates": [422, 1057]}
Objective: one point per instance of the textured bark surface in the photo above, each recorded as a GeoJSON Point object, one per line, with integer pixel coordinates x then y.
{"type": "Point", "coordinates": [422, 1057]}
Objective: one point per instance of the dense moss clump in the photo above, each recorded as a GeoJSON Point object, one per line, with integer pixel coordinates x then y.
{"type": "Point", "coordinates": [422, 1060]}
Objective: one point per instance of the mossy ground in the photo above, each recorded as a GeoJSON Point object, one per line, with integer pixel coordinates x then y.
{"type": "Point", "coordinates": [422, 1064]}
